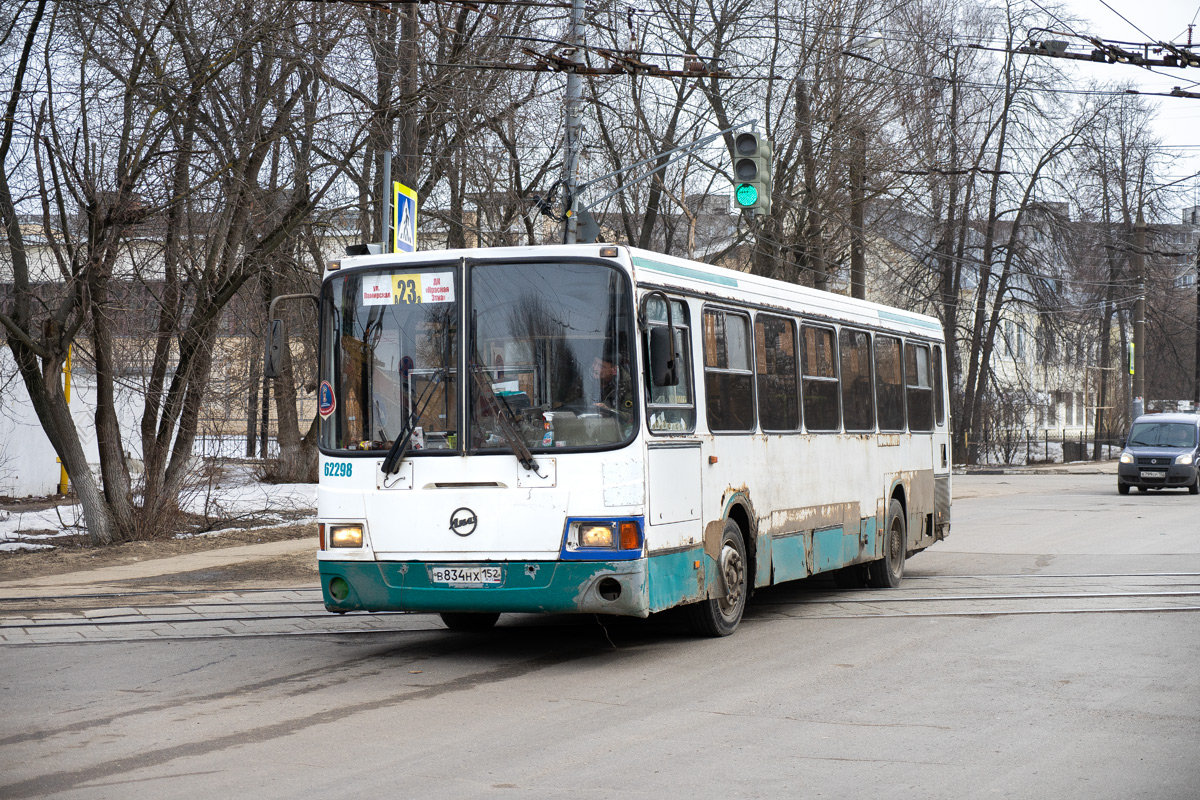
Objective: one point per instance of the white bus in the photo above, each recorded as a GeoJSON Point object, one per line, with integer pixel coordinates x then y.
{"type": "Point", "coordinates": [605, 430]}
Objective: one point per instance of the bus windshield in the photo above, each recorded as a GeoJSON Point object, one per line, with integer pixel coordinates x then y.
{"type": "Point", "coordinates": [547, 358]}
{"type": "Point", "coordinates": [389, 358]}
{"type": "Point", "coordinates": [552, 343]}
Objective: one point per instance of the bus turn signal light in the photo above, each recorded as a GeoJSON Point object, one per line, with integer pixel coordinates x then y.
{"type": "Point", "coordinates": [630, 538]}
{"type": "Point", "coordinates": [320, 535]}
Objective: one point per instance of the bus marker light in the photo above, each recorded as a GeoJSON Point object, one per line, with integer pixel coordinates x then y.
{"type": "Point", "coordinates": [630, 537]}
{"type": "Point", "coordinates": [345, 536]}
{"type": "Point", "coordinates": [320, 535]}
{"type": "Point", "coordinates": [712, 459]}
{"type": "Point", "coordinates": [608, 252]}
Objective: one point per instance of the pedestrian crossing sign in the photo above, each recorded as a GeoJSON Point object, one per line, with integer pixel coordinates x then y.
{"type": "Point", "coordinates": [404, 223]}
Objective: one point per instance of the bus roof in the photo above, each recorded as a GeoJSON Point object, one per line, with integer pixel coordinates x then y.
{"type": "Point", "coordinates": [719, 283]}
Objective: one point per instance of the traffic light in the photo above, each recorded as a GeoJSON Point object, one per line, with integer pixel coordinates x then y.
{"type": "Point", "coordinates": [752, 172]}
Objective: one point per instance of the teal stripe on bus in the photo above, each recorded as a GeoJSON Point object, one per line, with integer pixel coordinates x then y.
{"type": "Point", "coordinates": [911, 320]}
{"type": "Point", "coordinates": [684, 272]}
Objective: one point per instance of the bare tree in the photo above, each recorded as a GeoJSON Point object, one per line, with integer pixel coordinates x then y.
{"type": "Point", "coordinates": [159, 137]}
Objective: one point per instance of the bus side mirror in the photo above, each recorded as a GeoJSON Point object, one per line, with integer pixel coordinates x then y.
{"type": "Point", "coordinates": [662, 357]}
{"type": "Point", "coordinates": [274, 349]}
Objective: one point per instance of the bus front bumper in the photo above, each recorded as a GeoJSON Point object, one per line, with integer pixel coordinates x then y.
{"type": "Point", "coordinates": [587, 587]}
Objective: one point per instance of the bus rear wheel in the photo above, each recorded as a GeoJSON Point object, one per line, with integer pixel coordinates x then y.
{"type": "Point", "coordinates": [720, 615]}
{"type": "Point", "coordinates": [887, 572]}
{"type": "Point", "coordinates": [468, 622]}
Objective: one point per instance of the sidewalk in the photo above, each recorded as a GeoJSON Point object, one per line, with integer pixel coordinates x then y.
{"type": "Point", "coordinates": [1072, 468]}
{"type": "Point", "coordinates": [166, 570]}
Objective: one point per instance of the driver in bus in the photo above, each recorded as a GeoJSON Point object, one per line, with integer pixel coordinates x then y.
{"type": "Point", "coordinates": [616, 388]}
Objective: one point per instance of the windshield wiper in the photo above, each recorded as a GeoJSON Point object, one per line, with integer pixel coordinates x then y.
{"type": "Point", "coordinates": [504, 420]}
{"type": "Point", "coordinates": [396, 453]}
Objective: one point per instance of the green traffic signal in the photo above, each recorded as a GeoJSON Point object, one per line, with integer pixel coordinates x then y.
{"type": "Point", "coordinates": [746, 194]}
{"type": "Point", "coordinates": [752, 172]}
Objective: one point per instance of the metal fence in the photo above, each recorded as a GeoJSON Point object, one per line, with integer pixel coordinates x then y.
{"type": "Point", "coordinates": [1017, 447]}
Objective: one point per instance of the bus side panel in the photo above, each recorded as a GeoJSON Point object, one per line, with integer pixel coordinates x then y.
{"type": "Point", "coordinates": [828, 549]}
{"type": "Point", "coordinates": [789, 557]}
{"type": "Point", "coordinates": [676, 578]}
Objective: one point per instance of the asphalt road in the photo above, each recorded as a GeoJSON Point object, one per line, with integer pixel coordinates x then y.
{"type": "Point", "coordinates": [1048, 649]}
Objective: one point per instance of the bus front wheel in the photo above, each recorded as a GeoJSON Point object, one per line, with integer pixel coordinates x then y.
{"type": "Point", "coordinates": [887, 572]}
{"type": "Point", "coordinates": [720, 615]}
{"type": "Point", "coordinates": [468, 622]}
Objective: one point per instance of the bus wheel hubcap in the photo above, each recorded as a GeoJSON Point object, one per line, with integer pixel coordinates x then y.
{"type": "Point", "coordinates": [894, 553]}
{"type": "Point", "coordinates": [732, 570]}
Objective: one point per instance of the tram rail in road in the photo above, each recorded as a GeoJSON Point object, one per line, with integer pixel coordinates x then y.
{"type": "Point", "coordinates": [298, 611]}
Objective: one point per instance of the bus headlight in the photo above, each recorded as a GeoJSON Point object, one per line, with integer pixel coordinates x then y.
{"type": "Point", "coordinates": [1186, 458]}
{"type": "Point", "coordinates": [1127, 457]}
{"type": "Point", "coordinates": [345, 536]}
{"type": "Point", "coordinates": [594, 534]}
{"type": "Point", "coordinates": [616, 534]}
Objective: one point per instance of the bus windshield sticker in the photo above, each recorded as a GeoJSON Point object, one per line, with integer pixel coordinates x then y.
{"type": "Point", "coordinates": [376, 292]}
{"type": "Point", "coordinates": [325, 400]}
{"type": "Point", "coordinates": [423, 287]}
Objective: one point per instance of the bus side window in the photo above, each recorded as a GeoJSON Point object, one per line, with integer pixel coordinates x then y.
{"type": "Point", "coordinates": [858, 394]}
{"type": "Point", "coordinates": [821, 412]}
{"type": "Point", "coordinates": [939, 390]}
{"type": "Point", "coordinates": [728, 379]}
{"type": "Point", "coordinates": [670, 409]}
{"type": "Point", "coordinates": [775, 363]}
{"type": "Point", "coordinates": [919, 394]}
{"type": "Point", "coordinates": [889, 383]}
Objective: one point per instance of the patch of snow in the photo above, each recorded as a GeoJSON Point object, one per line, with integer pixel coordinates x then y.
{"type": "Point", "coordinates": [65, 520]}
{"type": "Point", "coordinates": [237, 493]}
{"type": "Point", "coordinates": [12, 547]}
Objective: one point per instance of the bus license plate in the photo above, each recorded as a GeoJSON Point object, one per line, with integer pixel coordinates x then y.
{"type": "Point", "coordinates": [466, 574]}
{"type": "Point", "coordinates": [1153, 473]}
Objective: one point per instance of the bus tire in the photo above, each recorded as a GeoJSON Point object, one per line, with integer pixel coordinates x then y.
{"type": "Point", "coordinates": [719, 616]}
{"type": "Point", "coordinates": [468, 622]}
{"type": "Point", "coordinates": [887, 572]}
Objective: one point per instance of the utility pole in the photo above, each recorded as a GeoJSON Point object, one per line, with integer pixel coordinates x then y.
{"type": "Point", "coordinates": [385, 204]}
{"type": "Point", "coordinates": [409, 149]}
{"type": "Point", "coordinates": [571, 61]}
{"type": "Point", "coordinates": [1196, 376]}
{"type": "Point", "coordinates": [574, 129]}
{"type": "Point", "coordinates": [1139, 317]}
{"type": "Point", "coordinates": [858, 173]}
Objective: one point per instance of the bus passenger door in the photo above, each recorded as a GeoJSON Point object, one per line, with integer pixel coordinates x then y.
{"type": "Point", "coordinates": [941, 448]}
{"type": "Point", "coordinates": [674, 536]}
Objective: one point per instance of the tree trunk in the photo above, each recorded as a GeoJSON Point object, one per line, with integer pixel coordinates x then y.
{"type": "Point", "coordinates": [297, 461]}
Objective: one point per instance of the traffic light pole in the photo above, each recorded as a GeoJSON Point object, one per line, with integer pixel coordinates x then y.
{"type": "Point", "coordinates": [574, 123]}
{"type": "Point", "coordinates": [675, 153]}
{"type": "Point", "coordinates": [1139, 318]}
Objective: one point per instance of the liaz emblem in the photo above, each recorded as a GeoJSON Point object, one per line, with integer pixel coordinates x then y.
{"type": "Point", "coordinates": [463, 521]}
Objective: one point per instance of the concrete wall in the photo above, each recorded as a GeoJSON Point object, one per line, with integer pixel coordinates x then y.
{"type": "Point", "coordinates": [28, 464]}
